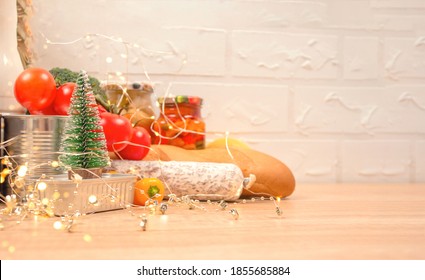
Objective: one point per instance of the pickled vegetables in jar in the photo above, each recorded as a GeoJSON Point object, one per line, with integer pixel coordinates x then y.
{"type": "Point", "coordinates": [180, 122]}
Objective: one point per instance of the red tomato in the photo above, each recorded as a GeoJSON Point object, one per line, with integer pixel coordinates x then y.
{"type": "Point", "coordinates": [63, 98]}
{"type": "Point", "coordinates": [35, 88]}
{"type": "Point", "coordinates": [141, 140]}
{"type": "Point", "coordinates": [49, 111]}
{"type": "Point", "coordinates": [117, 129]}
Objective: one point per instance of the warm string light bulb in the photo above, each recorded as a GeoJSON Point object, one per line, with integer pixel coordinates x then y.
{"type": "Point", "coordinates": [22, 170]}
{"type": "Point", "coordinates": [144, 222]}
{"type": "Point", "coordinates": [57, 225]}
{"type": "Point", "coordinates": [11, 203]}
{"type": "Point", "coordinates": [196, 204]}
{"type": "Point", "coordinates": [276, 203]}
{"type": "Point", "coordinates": [92, 199]}
{"type": "Point", "coordinates": [234, 213]}
{"type": "Point", "coordinates": [223, 205]}
{"type": "Point", "coordinates": [4, 173]}
{"type": "Point", "coordinates": [41, 186]}
{"type": "Point", "coordinates": [163, 208]}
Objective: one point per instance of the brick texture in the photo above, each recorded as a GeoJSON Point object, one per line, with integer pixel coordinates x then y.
{"type": "Point", "coordinates": [335, 89]}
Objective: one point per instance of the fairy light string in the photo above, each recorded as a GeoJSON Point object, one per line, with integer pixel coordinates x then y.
{"type": "Point", "coordinates": [148, 53]}
{"type": "Point", "coordinates": [28, 200]}
{"type": "Point", "coordinates": [27, 197]}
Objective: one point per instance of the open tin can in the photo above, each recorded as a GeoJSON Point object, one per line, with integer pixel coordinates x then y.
{"type": "Point", "coordinates": [31, 140]}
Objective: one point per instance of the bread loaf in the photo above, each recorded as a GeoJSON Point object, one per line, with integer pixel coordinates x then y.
{"type": "Point", "coordinates": [272, 176]}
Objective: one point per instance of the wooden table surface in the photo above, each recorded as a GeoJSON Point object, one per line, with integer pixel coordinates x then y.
{"type": "Point", "coordinates": [319, 222]}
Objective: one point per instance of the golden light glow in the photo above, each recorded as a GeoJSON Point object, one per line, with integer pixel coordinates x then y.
{"type": "Point", "coordinates": [133, 170]}
{"type": "Point", "coordinates": [57, 225]}
{"type": "Point", "coordinates": [41, 186]}
{"type": "Point", "coordinates": [11, 249]}
{"type": "Point", "coordinates": [56, 195]}
{"type": "Point", "coordinates": [31, 205]}
{"type": "Point", "coordinates": [87, 238]}
{"type": "Point", "coordinates": [22, 170]}
{"type": "Point", "coordinates": [55, 164]}
{"type": "Point", "coordinates": [92, 199]}
{"type": "Point", "coordinates": [163, 218]}
{"type": "Point", "coordinates": [5, 172]}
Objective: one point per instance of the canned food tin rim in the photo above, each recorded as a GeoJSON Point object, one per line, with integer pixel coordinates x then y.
{"type": "Point", "coordinates": [11, 115]}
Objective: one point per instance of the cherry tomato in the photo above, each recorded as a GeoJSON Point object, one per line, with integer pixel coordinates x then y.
{"type": "Point", "coordinates": [63, 98]}
{"type": "Point", "coordinates": [117, 129]}
{"type": "Point", "coordinates": [148, 188]}
{"type": "Point", "coordinates": [35, 88]}
{"type": "Point", "coordinates": [139, 146]}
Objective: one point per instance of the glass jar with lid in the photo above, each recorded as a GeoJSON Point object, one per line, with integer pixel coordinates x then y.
{"type": "Point", "coordinates": [136, 105]}
{"type": "Point", "coordinates": [180, 122]}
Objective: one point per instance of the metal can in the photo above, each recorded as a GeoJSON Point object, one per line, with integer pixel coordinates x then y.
{"type": "Point", "coordinates": [31, 140]}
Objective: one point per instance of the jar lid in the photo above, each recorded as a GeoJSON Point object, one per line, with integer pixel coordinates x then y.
{"type": "Point", "coordinates": [181, 99]}
{"type": "Point", "coordinates": [146, 87]}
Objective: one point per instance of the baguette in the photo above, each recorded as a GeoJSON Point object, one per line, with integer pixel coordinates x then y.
{"type": "Point", "coordinates": [273, 177]}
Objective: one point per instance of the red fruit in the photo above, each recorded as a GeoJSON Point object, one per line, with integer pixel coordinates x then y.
{"type": "Point", "coordinates": [63, 98]}
{"type": "Point", "coordinates": [49, 111]}
{"type": "Point", "coordinates": [139, 146]}
{"type": "Point", "coordinates": [117, 130]}
{"type": "Point", "coordinates": [35, 88]}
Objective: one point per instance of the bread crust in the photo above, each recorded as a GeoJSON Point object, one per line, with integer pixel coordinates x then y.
{"type": "Point", "coordinates": [273, 177]}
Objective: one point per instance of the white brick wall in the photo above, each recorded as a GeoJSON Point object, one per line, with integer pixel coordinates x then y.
{"type": "Point", "coordinates": [361, 58]}
{"type": "Point", "coordinates": [335, 89]}
{"type": "Point", "coordinates": [10, 62]}
{"type": "Point", "coordinates": [376, 161]}
{"type": "Point", "coordinates": [279, 55]}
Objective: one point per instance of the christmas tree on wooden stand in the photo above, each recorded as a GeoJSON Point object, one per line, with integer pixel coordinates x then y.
{"type": "Point", "coordinates": [83, 147]}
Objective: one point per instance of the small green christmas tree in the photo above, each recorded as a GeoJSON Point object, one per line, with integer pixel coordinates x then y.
{"type": "Point", "coordinates": [84, 144]}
